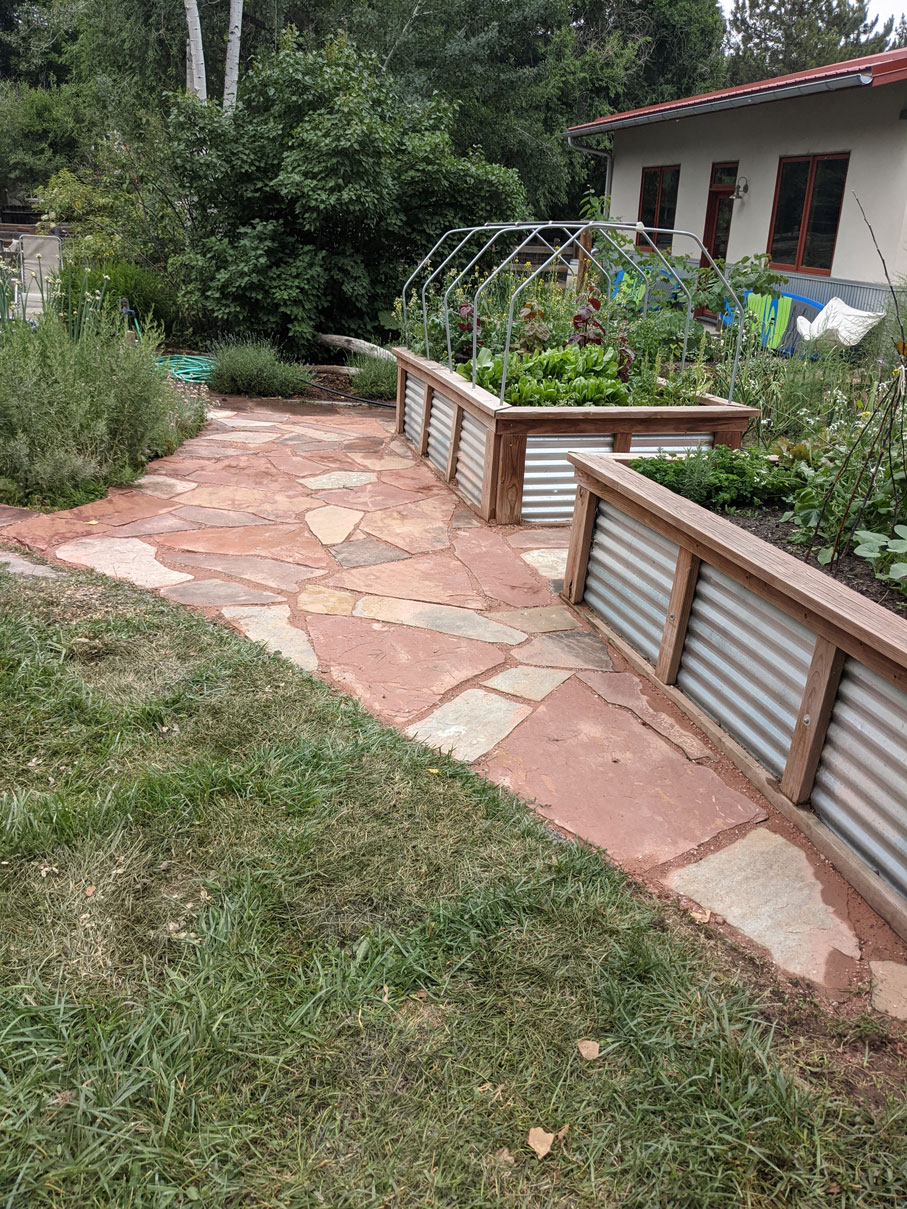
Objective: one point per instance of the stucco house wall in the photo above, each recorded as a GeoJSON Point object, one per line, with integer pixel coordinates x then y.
{"type": "Point", "coordinates": [863, 121]}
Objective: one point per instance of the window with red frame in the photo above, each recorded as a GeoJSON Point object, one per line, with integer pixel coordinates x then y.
{"type": "Point", "coordinates": [808, 198]}
{"type": "Point", "coordinates": [658, 201]}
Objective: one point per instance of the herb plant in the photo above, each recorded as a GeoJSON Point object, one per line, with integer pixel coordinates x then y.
{"type": "Point", "coordinates": [723, 479]}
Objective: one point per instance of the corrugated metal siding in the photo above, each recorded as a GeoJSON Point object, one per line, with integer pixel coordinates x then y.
{"type": "Point", "coordinates": [415, 405]}
{"type": "Point", "coordinates": [861, 294]}
{"type": "Point", "coordinates": [745, 663]}
{"type": "Point", "coordinates": [861, 785]}
{"type": "Point", "coordinates": [471, 459]}
{"type": "Point", "coordinates": [669, 442]}
{"type": "Point", "coordinates": [549, 488]}
{"type": "Point", "coordinates": [629, 578]}
{"type": "Point", "coordinates": [440, 430]}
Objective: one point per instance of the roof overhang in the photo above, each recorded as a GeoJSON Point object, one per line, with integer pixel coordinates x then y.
{"type": "Point", "coordinates": [871, 71]}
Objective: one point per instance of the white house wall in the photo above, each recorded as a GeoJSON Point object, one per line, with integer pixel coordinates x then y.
{"type": "Point", "coordinates": [863, 121]}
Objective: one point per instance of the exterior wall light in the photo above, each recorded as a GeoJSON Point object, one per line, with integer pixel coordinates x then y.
{"type": "Point", "coordinates": [742, 187]}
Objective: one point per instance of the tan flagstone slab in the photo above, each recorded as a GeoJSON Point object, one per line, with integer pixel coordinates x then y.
{"type": "Point", "coordinates": [225, 518]}
{"type": "Point", "coordinates": [162, 485]}
{"type": "Point", "coordinates": [416, 528]}
{"type": "Point", "coordinates": [220, 413]}
{"type": "Point", "coordinates": [575, 649]}
{"type": "Point", "coordinates": [502, 574]}
{"type": "Point", "coordinates": [153, 526]}
{"type": "Point", "coordinates": [293, 464]}
{"type": "Point", "coordinates": [271, 625]}
{"type": "Point", "coordinates": [438, 578]}
{"type": "Point", "coordinates": [889, 988]}
{"type": "Point", "coordinates": [240, 437]}
{"type": "Point", "coordinates": [397, 672]}
{"type": "Point", "coordinates": [215, 593]}
{"type": "Point", "coordinates": [122, 557]}
{"type": "Point", "coordinates": [339, 478]}
{"type": "Point", "coordinates": [599, 773]}
{"type": "Point", "coordinates": [533, 683]}
{"type": "Point", "coordinates": [244, 422]}
{"type": "Point", "coordinates": [623, 688]}
{"type": "Point", "coordinates": [540, 619]}
{"type": "Point", "coordinates": [284, 576]}
{"type": "Point", "coordinates": [767, 888]}
{"type": "Point", "coordinates": [332, 525]}
{"type": "Point", "coordinates": [316, 599]}
{"type": "Point", "coordinates": [470, 725]}
{"type": "Point", "coordinates": [381, 461]}
{"type": "Point", "coordinates": [550, 563]}
{"type": "Point", "coordinates": [15, 564]}
{"type": "Point", "coordinates": [444, 619]}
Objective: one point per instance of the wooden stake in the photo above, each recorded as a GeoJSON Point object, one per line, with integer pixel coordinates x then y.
{"type": "Point", "coordinates": [812, 720]}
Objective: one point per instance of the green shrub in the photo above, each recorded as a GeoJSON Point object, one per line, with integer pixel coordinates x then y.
{"type": "Point", "coordinates": [723, 478]}
{"type": "Point", "coordinates": [148, 295]}
{"type": "Point", "coordinates": [375, 377]}
{"type": "Point", "coordinates": [252, 367]}
{"type": "Point", "coordinates": [78, 415]}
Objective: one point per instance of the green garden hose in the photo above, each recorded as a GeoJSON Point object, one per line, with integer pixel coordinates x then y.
{"type": "Point", "coordinates": [187, 369]}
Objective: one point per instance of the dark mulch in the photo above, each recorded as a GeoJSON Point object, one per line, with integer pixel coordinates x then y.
{"type": "Point", "coordinates": [853, 572]}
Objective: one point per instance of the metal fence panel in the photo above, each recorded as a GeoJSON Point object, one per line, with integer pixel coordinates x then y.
{"type": "Point", "coordinates": [863, 295]}
{"type": "Point", "coordinates": [669, 442]}
{"type": "Point", "coordinates": [440, 430]}
{"type": "Point", "coordinates": [745, 663]}
{"type": "Point", "coordinates": [861, 786]}
{"type": "Point", "coordinates": [629, 578]}
{"type": "Point", "coordinates": [471, 459]}
{"type": "Point", "coordinates": [549, 488]}
{"type": "Point", "coordinates": [414, 407]}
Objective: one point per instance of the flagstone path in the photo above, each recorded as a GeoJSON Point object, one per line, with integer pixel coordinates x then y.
{"type": "Point", "coordinates": [316, 532]}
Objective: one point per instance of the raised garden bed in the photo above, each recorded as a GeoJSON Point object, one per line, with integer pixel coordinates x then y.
{"type": "Point", "coordinates": [801, 681]}
{"type": "Point", "coordinates": [512, 463]}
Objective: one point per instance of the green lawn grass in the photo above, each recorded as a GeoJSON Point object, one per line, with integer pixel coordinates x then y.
{"type": "Point", "coordinates": [260, 951]}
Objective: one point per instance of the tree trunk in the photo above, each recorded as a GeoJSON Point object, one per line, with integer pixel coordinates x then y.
{"type": "Point", "coordinates": [351, 345]}
{"type": "Point", "coordinates": [231, 70]}
{"type": "Point", "coordinates": [196, 60]}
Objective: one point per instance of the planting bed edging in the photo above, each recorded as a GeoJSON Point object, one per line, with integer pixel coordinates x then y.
{"type": "Point", "coordinates": [511, 463]}
{"type": "Point", "coordinates": [799, 680]}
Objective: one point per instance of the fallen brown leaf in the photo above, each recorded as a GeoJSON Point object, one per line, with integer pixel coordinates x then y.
{"type": "Point", "coordinates": [588, 1049]}
{"type": "Point", "coordinates": [562, 1132]}
{"type": "Point", "coordinates": [504, 1157]}
{"type": "Point", "coordinates": [89, 890]}
{"type": "Point", "coordinates": [701, 917]}
{"type": "Point", "coordinates": [540, 1141]}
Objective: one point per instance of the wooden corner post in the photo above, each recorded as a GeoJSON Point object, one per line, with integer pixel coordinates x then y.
{"type": "Point", "coordinates": [683, 590]}
{"type": "Point", "coordinates": [812, 720]}
{"type": "Point", "coordinates": [580, 543]}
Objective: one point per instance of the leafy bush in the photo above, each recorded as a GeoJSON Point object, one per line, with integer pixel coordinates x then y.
{"type": "Point", "coordinates": [148, 295]}
{"type": "Point", "coordinates": [375, 377]}
{"type": "Point", "coordinates": [723, 478]}
{"type": "Point", "coordinates": [252, 367]}
{"type": "Point", "coordinates": [79, 414]}
{"type": "Point", "coordinates": [573, 376]}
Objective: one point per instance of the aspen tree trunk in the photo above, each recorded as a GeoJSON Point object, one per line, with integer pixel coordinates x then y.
{"type": "Point", "coordinates": [195, 82]}
{"type": "Point", "coordinates": [231, 70]}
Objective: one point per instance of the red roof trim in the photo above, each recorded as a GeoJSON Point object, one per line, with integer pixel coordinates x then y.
{"type": "Point", "coordinates": [885, 68]}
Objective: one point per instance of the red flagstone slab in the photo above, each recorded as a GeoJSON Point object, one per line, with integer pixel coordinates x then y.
{"type": "Point", "coordinates": [9, 514]}
{"type": "Point", "coordinates": [396, 672]}
{"type": "Point", "coordinates": [440, 578]}
{"type": "Point", "coordinates": [122, 508]}
{"type": "Point", "coordinates": [371, 497]}
{"type": "Point", "coordinates": [226, 518]}
{"type": "Point", "coordinates": [248, 499]}
{"type": "Point", "coordinates": [417, 527]}
{"type": "Point", "coordinates": [415, 476]}
{"type": "Point", "coordinates": [167, 522]}
{"type": "Point", "coordinates": [284, 576]}
{"type": "Point", "coordinates": [40, 532]}
{"type": "Point", "coordinates": [502, 574]}
{"type": "Point", "coordinates": [291, 463]}
{"type": "Point", "coordinates": [599, 773]}
{"type": "Point", "coordinates": [294, 543]}
{"type": "Point", "coordinates": [539, 538]}
{"type": "Point", "coordinates": [333, 459]}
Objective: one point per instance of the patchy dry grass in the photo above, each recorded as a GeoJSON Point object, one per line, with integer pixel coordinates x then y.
{"type": "Point", "coordinates": [255, 954]}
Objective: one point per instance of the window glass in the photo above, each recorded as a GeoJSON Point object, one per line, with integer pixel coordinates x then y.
{"type": "Point", "coordinates": [824, 212]}
{"type": "Point", "coordinates": [648, 207]}
{"type": "Point", "coordinates": [724, 174]}
{"type": "Point", "coordinates": [792, 184]}
{"type": "Point", "coordinates": [670, 179]}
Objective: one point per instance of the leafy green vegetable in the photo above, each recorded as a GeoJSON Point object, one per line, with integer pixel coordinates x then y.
{"type": "Point", "coordinates": [723, 478]}
{"type": "Point", "coordinates": [572, 376]}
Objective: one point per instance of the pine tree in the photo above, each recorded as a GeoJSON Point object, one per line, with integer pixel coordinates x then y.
{"type": "Point", "coordinates": [773, 37]}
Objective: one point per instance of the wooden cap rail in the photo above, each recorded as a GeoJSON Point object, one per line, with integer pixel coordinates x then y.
{"type": "Point", "coordinates": [843, 622]}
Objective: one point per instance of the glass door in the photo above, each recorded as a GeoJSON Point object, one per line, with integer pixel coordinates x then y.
{"type": "Point", "coordinates": [719, 210]}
